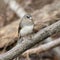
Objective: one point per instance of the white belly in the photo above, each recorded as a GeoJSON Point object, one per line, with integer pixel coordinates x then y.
{"type": "Point", "coordinates": [26, 30]}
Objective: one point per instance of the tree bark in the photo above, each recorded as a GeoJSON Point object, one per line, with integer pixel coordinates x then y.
{"type": "Point", "coordinates": [43, 48]}
{"type": "Point", "coordinates": [26, 44]}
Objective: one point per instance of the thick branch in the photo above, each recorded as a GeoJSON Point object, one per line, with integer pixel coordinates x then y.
{"type": "Point", "coordinates": [26, 44]}
{"type": "Point", "coordinates": [43, 47]}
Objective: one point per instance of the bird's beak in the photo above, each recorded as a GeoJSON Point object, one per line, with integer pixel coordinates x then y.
{"type": "Point", "coordinates": [30, 18]}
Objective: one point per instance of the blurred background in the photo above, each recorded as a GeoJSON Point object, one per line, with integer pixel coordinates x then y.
{"type": "Point", "coordinates": [7, 15]}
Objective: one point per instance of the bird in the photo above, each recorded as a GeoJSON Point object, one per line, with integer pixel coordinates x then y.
{"type": "Point", "coordinates": [26, 26]}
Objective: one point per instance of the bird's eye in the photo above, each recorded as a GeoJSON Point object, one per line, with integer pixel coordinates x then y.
{"type": "Point", "coordinates": [29, 17]}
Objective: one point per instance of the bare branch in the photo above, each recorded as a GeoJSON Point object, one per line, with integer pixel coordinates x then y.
{"type": "Point", "coordinates": [43, 47]}
{"type": "Point", "coordinates": [56, 49]}
{"type": "Point", "coordinates": [26, 44]}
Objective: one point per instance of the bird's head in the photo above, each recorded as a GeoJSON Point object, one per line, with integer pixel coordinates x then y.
{"type": "Point", "coordinates": [27, 20]}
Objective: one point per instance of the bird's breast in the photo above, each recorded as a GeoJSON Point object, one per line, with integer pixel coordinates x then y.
{"type": "Point", "coordinates": [26, 30]}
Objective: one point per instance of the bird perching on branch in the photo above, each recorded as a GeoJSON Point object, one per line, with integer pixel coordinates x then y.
{"type": "Point", "coordinates": [25, 29]}
{"type": "Point", "coordinates": [26, 26]}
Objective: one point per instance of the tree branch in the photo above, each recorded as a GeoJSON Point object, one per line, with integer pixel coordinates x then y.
{"type": "Point", "coordinates": [26, 44]}
{"type": "Point", "coordinates": [57, 49]}
{"type": "Point", "coordinates": [43, 47]}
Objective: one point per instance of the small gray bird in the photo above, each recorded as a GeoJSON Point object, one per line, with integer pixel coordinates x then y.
{"type": "Point", "coordinates": [25, 26]}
